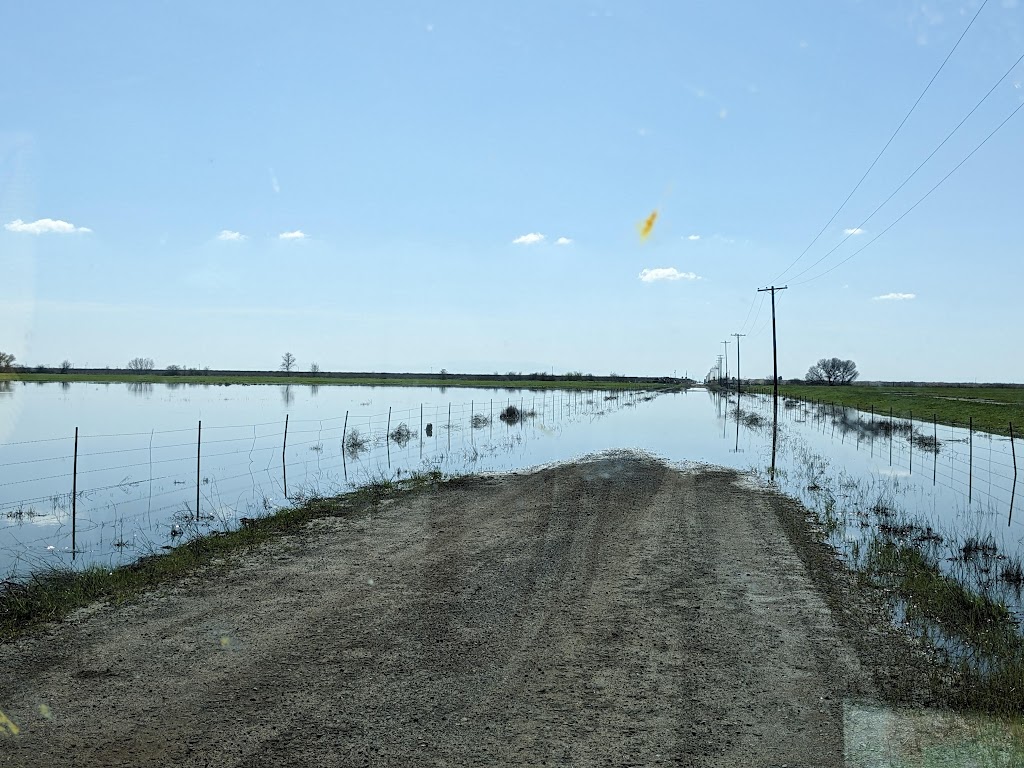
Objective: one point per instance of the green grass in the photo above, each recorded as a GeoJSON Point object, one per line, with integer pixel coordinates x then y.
{"type": "Point", "coordinates": [52, 595]}
{"type": "Point", "coordinates": [227, 379]}
{"type": "Point", "coordinates": [990, 662]}
{"type": "Point", "coordinates": [991, 408]}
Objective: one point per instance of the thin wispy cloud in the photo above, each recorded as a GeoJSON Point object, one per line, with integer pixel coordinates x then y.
{"type": "Point", "coordinates": [723, 113]}
{"type": "Point", "coordinates": [273, 182]}
{"type": "Point", "coordinates": [531, 238]}
{"type": "Point", "coordinates": [853, 231]}
{"type": "Point", "coordinates": [693, 237]}
{"type": "Point", "coordinates": [563, 241]}
{"type": "Point", "coordinates": [666, 273]}
{"type": "Point", "coordinates": [43, 226]}
{"type": "Point", "coordinates": [298, 234]}
{"type": "Point", "coordinates": [231, 236]}
{"type": "Point", "coordinates": [895, 297]}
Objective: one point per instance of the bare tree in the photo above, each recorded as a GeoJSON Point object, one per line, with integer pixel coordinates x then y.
{"type": "Point", "coordinates": [6, 361]}
{"type": "Point", "coordinates": [140, 364]}
{"type": "Point", "coordinates": [287, 362]}
{"type": "Point", "coordinates": [66, 366]}
{"type": "Point", "coordinates": [832, 371]}
{"type": "Point", "coordinates": [314, 368]}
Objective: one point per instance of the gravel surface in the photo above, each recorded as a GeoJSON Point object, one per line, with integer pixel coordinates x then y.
{"type": "Point", "coordinates": [613, 612]}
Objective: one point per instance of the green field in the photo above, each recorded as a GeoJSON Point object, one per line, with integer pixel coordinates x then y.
{"type": "Point", "coordinates": [334, 380]}
{"type": "Point", "coordinates": [992, 409]}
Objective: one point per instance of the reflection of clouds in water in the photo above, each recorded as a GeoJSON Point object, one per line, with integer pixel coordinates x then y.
{"type": "Point", "coordinates": [893, 472]}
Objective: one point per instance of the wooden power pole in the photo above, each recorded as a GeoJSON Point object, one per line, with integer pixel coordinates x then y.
{"type": "Point", "coordinates": [738, 385]}
{"type": "Point", "coordinates": [775, 346]}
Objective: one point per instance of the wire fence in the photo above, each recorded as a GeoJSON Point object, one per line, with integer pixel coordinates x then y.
{"type": "Point", "coordinates": [979, 466]}
{"type": "Point", "coordinates": [118, 496]}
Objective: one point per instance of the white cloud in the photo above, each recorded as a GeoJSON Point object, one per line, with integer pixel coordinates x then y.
{"type": "Point", "coordinates": [666, 273]}
{"type": "Point", "coordinates": [531, 238]}
{"type": "Point", "coordinates": [563, 241]}
{"type": "Point", "coordinates": [896, 297]}
{"type": "Point", "coordinates": [41, 226]}
{"type": "Point", "coordinates": [298, 234]}
{"type": "Point", "coordinates": [693, 237]}
{"type": "Point", "coordinates": [227, 234]}
{"type": "Point", "coordinates": [723, 113]}
{"type": "Point", "coordinates": [273, 182]}
{"type": "Point", "coordinates": [853, 231]}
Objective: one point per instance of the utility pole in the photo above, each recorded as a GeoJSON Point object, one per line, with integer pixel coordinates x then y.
{"type": "Point", "coordinates": [775, 347]}
{"type": "Point", "coordinates": [738, 385]}
{"type": "Point", "coordinates": [726, 345]}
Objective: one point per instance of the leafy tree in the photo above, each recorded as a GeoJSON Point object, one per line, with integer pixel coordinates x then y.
{"type": "Point", "coordinates": [140, 364]}
{"type": "Point", "coordinates": [173, 370]}
{"type": "Point", "coordinates": [287, 362]}
{"type": "Point", "coordinates": [832, 371]}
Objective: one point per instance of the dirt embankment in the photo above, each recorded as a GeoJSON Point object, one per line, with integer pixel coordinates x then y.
{"type": "Point", "coordinates": [610, 612]}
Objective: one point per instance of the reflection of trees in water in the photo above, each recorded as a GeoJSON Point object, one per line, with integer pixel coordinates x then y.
{"type": "Point", "coordinates": [140, 387]}
{"type": "Point", "coordinates": [174, 385]}
{"type": "Point", "coordinates": [287, 396]}
{"type": "Point", "coordinates": [6, 387]}
{"type": "Point", "coordinates": [314, 389]}
{"type": "Point", "coordinates": [65, 385]}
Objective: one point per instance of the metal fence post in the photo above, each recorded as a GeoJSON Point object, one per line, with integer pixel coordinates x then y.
{"type": "Point", "coordinates": [199, 452]}
{"type": "Point", "coordinates": [970, 460]}
{"type": "Point", "coordinates": [74, 497]}
{"type": "Point", "coordinates": [284, 466]}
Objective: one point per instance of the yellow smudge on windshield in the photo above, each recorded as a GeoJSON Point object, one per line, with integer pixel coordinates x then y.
{"type": "Point", "coordinates": [44, 711]}
{"type": "Point", "coordinates": [7, 727]}
{"type": "Point", "coordinates": [648, 224]}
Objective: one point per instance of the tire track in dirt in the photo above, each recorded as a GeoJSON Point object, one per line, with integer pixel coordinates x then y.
{"type": "Point", "coordinates": [606, 612]}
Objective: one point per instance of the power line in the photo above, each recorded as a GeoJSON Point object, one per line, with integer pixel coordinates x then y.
{"type": "Point", "coordinates": [914, 173]}
{"type": "Point", "coordinates": [884, 148]}
{"type": "Point", "coordinates": [921, 200]}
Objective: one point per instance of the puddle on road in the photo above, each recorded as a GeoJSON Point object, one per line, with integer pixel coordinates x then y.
{"type": "Point", "coordinates": [876, 736]}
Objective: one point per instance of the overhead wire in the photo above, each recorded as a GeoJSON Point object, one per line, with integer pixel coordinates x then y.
{"type": "Point", "coordinates": [921, 200]}
{"type": "Point", "coordinates": [887, 143]}
{"type": "Point", "coordinates": [854, 231]}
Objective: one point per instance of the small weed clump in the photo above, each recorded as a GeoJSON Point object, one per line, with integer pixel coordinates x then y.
{"type": "Point", "coordinates": [401, 435]}
{"type": "Point", "coordinates": [356, 443]}
{"type": "Point", "coordinates": [513, 415]}
{"type": "Point", "coordinates": [479, 421]}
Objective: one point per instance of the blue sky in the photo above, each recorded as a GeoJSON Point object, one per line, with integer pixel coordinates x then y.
{"type": "Point", "coordinates": [407, 146]}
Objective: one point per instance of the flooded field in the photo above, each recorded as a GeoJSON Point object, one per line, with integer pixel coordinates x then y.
{"type": "Point", "coordinates": [148, 477]}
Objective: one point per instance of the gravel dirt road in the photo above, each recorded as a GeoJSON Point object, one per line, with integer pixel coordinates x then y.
{"type": "Point", "coordinates": [608, 612]}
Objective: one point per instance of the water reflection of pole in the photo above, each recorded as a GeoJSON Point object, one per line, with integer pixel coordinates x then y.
{"type": "Point", "coordinates": [935, 446]}
{"type": "Point", "coordinates": [737, 447]}
{"type": "Point", "coordinates": [775, 441]}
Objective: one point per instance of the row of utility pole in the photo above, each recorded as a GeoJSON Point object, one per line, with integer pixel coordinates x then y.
{"type": "Point", "coordinates": [775, 351]}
